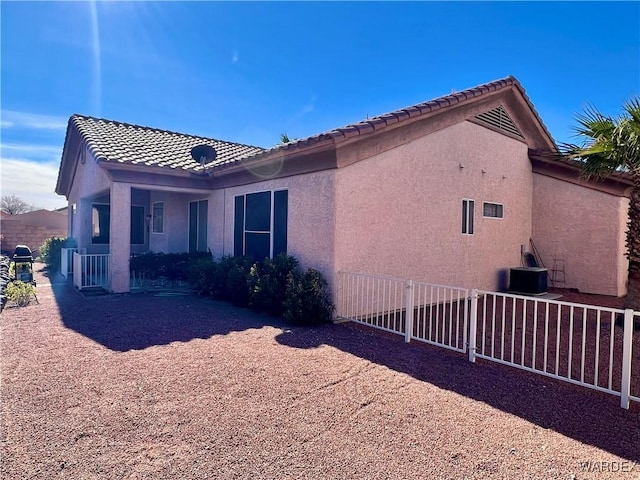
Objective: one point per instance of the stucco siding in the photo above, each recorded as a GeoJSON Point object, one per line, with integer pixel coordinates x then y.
{"type": "Point", "coordinates": [399, 213]}
{"type": "Point", "coordinates": [585, 228]}
{"type": "Point", "coordinates": [310, 222]}
{"type": "Point", "coordinates": [89, 179]}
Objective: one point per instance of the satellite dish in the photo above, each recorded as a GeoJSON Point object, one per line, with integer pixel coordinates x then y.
{"type": "Point", "coordinates": [203, 154]}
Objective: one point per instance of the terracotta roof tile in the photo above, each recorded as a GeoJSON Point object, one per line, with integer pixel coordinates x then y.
{"type": "Point", "coordinates": [125, 143]}
{"type": "Point", "coordinates": [364, 128]}
{"type": "Point", "coordinates": [113, 141]}
{"type": "Point", "coordinates": [397, 116]}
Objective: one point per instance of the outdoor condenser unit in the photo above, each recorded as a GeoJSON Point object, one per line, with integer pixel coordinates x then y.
{"type": "Point", "coordinates": [528, 280]}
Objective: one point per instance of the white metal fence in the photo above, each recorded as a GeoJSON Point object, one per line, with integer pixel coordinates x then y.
{"type": "Point", "coordinates": [572, 342]}
{"type": "Point", "coordinates": [91, 270]}
{"type": "Point", "coordinates": [435, 314]}
{"type": "Point", "coordinates": [66, 260]}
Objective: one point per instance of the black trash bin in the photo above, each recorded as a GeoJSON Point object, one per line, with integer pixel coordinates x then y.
{"type": "Point", "coordinates": [23, 264]}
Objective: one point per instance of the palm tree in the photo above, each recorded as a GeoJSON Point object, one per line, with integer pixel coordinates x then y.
{"type": "Point", "coordinates": [284, 138]}
{"type": "Point", "coordinates": [611, 145]}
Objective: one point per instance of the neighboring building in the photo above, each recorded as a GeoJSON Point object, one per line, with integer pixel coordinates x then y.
{"type": "Point", "coordinates": [31, 229]}
{"type": "Point", "coordinates": [449, 191]}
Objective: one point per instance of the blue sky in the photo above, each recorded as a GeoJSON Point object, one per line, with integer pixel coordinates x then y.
{"type": "Point", "coordinates": [247, 72]}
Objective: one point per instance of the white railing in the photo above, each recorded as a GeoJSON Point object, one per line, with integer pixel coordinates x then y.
{"type": "Point", "coordinates": [572, 342]}
{"type": "Point", "coordinates": [434, 314]}
{"type": "Point", "coordinates": [634, 361]}
{"type": "Point", "coordinates": [379, 302]}
{"type": "Point", "coordinates": [91, 270]}
{"type": "Point", "coordinates": [440, 315]}
{"type": "Point", "coordinates": [66, 260]}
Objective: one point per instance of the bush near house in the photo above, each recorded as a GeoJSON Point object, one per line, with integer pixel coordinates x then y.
{"type": "Point", "coordinates": [274, 286]}
{"type": "Point", "coordinates": [51, 250]}
{"type": "Point", "coordinates": [268, 283]}
{"type": "Point", "coordinates": [20, 293]}
{"type": "Point", "coordinates": [307, 299]}
{"type": "Point", "coordinates": [173, 267]}
{"type": "Point", "coordinates": [201, 274]}
{"type": "Point", "coordinates": [232, 280]}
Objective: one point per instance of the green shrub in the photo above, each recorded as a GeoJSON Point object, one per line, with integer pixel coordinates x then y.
{"type": "Point", "coordinates": [202, 274]}
{"type": "Point", "coordinates": [232, 280]}
{"type": "Point", "coordinates": [274, 286]}
{"type": "Point", "coordinates": [268, 283]}
{"type": "Point", "coordinates": [20, 293]}
{"type": "Point", "coordinates": [170, 266]}
{"type": "Point", "coordinates": [307, 299]}
{"type": "Point", "coordinates": [51, 251]}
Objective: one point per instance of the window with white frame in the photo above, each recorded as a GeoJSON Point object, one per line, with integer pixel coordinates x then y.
{"type": "Point", "coordinates": [157, 220]}
{"type": "Point", "coordinates": [260, 224]}
{"type": "Point", "coordinates": [492, 210]}
{"type": "Point", "coordinates": [467, 216]}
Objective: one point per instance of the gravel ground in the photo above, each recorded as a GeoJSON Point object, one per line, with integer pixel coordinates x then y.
{"type": "Point", "coordinates": [138, 386]}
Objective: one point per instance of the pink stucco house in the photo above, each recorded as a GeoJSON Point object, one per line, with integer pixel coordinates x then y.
{"type": "Point", "coordinates": [448, 191]}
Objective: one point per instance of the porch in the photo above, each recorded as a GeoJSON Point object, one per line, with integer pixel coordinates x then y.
{"type": "Point", "coordinates": [85, 270]}
{"type": "Point", "coordinates": [111, 226]}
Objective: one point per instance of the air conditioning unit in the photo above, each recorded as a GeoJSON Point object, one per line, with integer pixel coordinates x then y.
{"type": "Point", "coordinates": [528, 280]}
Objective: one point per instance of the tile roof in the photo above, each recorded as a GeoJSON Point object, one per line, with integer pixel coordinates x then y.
{"type": "Point", "coordinates": [114, 141]}
{"type": "Point", "coordinates": [379, 122]}
{"type": "Point", "coordinates": [125, 143]}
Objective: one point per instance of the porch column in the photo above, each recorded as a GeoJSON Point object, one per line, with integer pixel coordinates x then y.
{"type": "Point", "coordinates": [120, 237]}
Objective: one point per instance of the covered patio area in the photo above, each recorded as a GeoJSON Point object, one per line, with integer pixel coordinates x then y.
{"type": "Point", "coordinates": [126, 220]}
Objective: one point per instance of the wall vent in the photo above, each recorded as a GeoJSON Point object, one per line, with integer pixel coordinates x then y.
{"type": "Point", "coordinates": [499, 119]}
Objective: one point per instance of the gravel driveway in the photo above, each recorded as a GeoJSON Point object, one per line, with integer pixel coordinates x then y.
{"type": "Point", "coordinates": [138, 386]}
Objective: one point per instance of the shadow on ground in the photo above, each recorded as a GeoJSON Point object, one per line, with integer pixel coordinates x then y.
{"type": "Point", "coordinates": [134, 322]}
{"type": "Point", "coordinates": [138, 321]}
{"type": "Point", "coordinates": [576, 412]}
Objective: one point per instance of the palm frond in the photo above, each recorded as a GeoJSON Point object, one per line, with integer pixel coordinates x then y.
{"type": "Point", "coordinates": [609, 144]}
{"type": "Point", "coordinates": [592, 124]}
{"type": "Point", "coordinates": [632, 108]}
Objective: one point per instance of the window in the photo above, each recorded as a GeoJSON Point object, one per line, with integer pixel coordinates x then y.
{"type": "Point", "coordinates": [467, 216]}
{"type": "Point", "coordinates": [101, 224]}
{"type": "Point", "coordinates": [260, 224]}
{"type": "Point", "coordinates": [492, 210]}
{"type": "Point", "coordinates": [198, 222]}
{"type": "Point", "coordinates": [157, 220]}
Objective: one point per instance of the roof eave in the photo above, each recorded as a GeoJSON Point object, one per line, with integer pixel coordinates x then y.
{"type": "Point", "coordinates": [280, 153]}
{"type": "Point", "coordinates": [618, 183]}
{"type": "Point", "coordinates": [68, 159]}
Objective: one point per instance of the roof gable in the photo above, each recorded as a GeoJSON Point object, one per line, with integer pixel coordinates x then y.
{"type": "Point", "coordinates": [507, 94]}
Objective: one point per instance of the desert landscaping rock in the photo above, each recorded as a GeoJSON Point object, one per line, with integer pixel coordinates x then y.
{"type": "Point", "coordinates": [138, 386]}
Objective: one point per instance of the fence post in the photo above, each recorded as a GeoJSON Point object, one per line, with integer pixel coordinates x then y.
{"type": "Point", "coordinates": [473, 325]}
{"type": "Point", "coordinates": [627, 344]}
{"type": "Point", "coordinates": [408, 324]}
